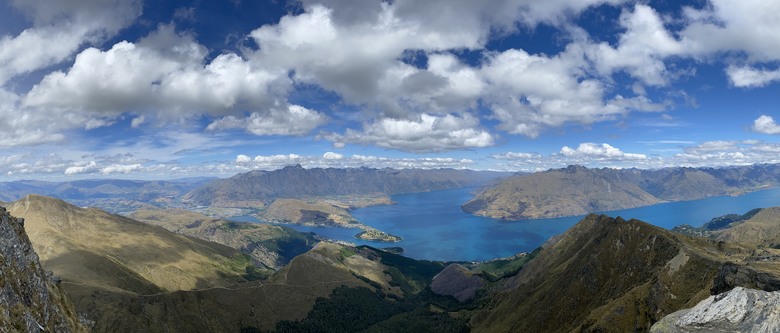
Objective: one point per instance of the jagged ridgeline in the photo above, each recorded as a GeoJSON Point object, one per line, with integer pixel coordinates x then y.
{"type": "Point", "coordinates": [610, 275]}
{"type": "Point", "coordinates": [31, 300]}
{"type": "Point", "coordinates": [577, 190]}
{"type": "Point", "coordinates": [297, 182]}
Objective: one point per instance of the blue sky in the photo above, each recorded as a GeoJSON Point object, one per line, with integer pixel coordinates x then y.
{"type": "Point", "coordinates": [164, 89]}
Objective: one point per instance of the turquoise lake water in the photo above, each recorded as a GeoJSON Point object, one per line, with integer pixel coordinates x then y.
{"type": "Point", "coordinates": [434, 227]}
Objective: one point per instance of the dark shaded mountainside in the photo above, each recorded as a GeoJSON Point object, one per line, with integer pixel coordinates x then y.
{"type": "Point", "coordinates": [297, 182]}
{"type": "Point", "coordinates": [611, 275]}
{"type": "Point", "coordinates": [578, 190]}
{"type": "Point", "coordinates": [31, 300]}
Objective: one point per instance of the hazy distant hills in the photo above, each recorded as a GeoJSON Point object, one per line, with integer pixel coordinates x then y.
{"type": "Point", "coordinates": [139, 190]}
{"type": "Point", "coordinates": [577, 190]}
{"type": "Point", "coordinates": [297, 182]}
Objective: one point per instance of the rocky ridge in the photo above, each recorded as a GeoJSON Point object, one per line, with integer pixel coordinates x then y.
{"type": "Point", "coordinates": [31, 299]}
{"type": "Point", "coordinates": [738, 310]}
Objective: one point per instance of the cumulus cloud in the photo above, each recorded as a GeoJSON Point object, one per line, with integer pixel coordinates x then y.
{"type": "Point", "coordinates": [81, 168]}
{"type": "Point", "coordinates": [294, 120]}
{"type": "Point", "coordinates": [332, 156]}
{"type": "Point", "coordinates": [425, 134]}
{"type": "Point", "coordinates": [600, 151]}
{"type": "Point", "coordinates": [766, 125]}
{"type": "Point", "coordinates": [120, 168]}
{"type": "Point", "coordinates": [59, 29]}
{"type": "Point", "coordinates": [749, 77]}
{"type": "Point", "coordinates": [640, 50]}
{"type": "Point", "coordinates": [243, 159]}
{"type": "Point", "coordinates": [164, 74]}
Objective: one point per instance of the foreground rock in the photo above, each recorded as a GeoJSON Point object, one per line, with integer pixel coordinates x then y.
{"type": "Point", "coordinates": [30, 300]}
{"type": "Point", "coordinates": [739, 310]}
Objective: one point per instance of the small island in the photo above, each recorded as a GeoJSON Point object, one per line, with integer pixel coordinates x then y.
{"type": "Point", "coordinates": [371, 234]}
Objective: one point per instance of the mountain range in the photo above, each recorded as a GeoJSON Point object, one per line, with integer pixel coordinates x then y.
{"type": "Point", "coordinates": [262, 187]}
{"type": "Point", "coordinates": [577, 190]}
{"type": "Point", "coordinates": [604, 274]}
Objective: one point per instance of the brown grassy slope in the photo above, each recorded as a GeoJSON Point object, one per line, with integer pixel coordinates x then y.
{"type": "Point", "coordinates": [763, 229]}
{"type": "Point", "coordinates": [611, 275]}
{"type": "Point", "coordinates": [270, 245]}
{"type": "Point", "coordinates": [90, 246]}
{"type": "Point", "coordinates": [288, 295]}
{"type": "Point", "coordinates": [309, 213]}
{"type": "Point", "coordinates": [563, 192]}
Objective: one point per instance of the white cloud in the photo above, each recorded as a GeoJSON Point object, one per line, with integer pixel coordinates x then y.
{"type": "Point", "coordinates": [59, 29]}
{"type": "Point", "coordinates": [515, 156]}
{"type": "Point", "coordinates": [766, 125]}
{"type": "Point", "coordinates": [640, 50]}
{"type": "Point", "coordinates": [530, 92]}
{"type": "Point", "coordinates": [295, 120]}
{"type": "Point", "coordinates": [243, 159]}
{"type": "Point", "coordinates": [424, 134]}
{"type": "Point", "coordinates": [165, 76]}
{"type": "Point", "coordinates": [332, 156]}
{"type": "Point", "coordinates": [742, 27]}
{"type": "Point", "coordinates": [137, 121]}
{"type": "Point", "coordinates": [81, 168]}
{"type": "Point", "coordinates": [121, 168]}
{"type": "Point", "coordinates": [749, 77]}
{"type": "Point", "coordinates": [600, 151]}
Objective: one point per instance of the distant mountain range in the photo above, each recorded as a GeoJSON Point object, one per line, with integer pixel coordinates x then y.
{"type": "Point", "coordinates": [118, 196]}
{"type": "Point", "coordinates": [578, 190]}
{"type": "Point", "coordinates": [257, 187]}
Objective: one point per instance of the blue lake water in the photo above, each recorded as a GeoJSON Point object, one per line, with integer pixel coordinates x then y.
{"type": "Point", "coordinates": [434, 227]}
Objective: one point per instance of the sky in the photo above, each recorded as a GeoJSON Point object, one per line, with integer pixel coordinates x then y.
{"type": "Point", "coordinates": [172, 89]}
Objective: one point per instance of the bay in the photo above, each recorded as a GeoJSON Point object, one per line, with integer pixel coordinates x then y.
{"type": "Point", "coordinates": [434, 227]}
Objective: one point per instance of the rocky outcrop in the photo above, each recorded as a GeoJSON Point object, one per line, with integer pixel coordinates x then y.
{"type": "Point", "coordinates": [457, 281]}
{"type": "Point", "coordinates": [30, 298]}
{"type": "Point", "coordinates": [739, 310]}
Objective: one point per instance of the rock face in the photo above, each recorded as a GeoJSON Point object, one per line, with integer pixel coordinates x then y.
{"type": "Point", "coordinates": [30, 300]}
{"type": "Point", "coordinates": [739, 310]}
{"type": "Point", "coordinates": [457, 281]}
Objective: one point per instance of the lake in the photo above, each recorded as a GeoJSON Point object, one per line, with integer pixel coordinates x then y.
{"type": "Point", "coordinates": [434, 227]}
